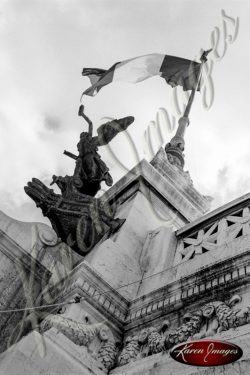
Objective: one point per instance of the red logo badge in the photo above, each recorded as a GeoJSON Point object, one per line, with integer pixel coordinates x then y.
{"type": "Point", "coordinates": [206, 353]}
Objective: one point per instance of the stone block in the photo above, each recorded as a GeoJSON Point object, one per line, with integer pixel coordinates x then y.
{"type": "Point", "coordinates": [157, 255]}
{"type": "Point", "coordinates": [50, 354]}
{"type": "Point", "coordinates": [115, 267]}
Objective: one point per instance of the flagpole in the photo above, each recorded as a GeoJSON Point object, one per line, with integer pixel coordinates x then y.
{"type": "Point", "coordinates": [203, 59]}
{"type": "Point", "coordinates": [176, 146]}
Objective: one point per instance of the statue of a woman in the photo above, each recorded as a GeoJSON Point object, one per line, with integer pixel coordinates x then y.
{"type": "Point", "coordinates": [90, 169]}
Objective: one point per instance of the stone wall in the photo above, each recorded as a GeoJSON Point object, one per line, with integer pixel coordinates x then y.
{"type": "Point", "coordinates": [167, 275]}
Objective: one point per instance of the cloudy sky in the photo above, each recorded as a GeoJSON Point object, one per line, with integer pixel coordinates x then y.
{"type": "Point", "coordinates": [46, 43]}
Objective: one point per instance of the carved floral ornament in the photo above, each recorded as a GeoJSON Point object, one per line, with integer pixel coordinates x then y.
{"type": "Point", "coordinates": [212, 318]}
{"type": "Point", "coordinates": [214, 235]}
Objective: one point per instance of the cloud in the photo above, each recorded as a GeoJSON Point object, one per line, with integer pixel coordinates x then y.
{"type": "Point", "coordinates": [44, 46]}
{"type": "Point", "coordinates": [25, 211]}
{"type": "Point", "coordinates": [52, 123]}
{"type": "Point", "coordinates": [222, 176]}
{"type": "Point", "coordinates": [231, 182]}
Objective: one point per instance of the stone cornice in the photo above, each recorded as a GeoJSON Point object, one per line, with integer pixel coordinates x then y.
{"type": "Point", "coordinates": [219, 279]}
{"type": "Point", "coordinates": [85, 282]}
{"type": "Point", "coordinates": [175, 189]}
{"type": "Point", "coordinates": [214, 215]}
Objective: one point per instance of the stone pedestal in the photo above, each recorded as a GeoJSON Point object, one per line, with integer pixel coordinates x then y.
{"type": "Point", "coordinates": [169, 273]}
{"type": "Point", "coordinates": [155, 199]}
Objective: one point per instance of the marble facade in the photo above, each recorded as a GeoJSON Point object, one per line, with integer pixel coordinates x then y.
{"type": "Point", "coordinates": [137, 292]}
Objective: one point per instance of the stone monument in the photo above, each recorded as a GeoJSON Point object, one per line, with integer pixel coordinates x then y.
{"type": "Point", "coordinates": [78, 218]}
{"type": "Point", "coordinates": [121, 279]}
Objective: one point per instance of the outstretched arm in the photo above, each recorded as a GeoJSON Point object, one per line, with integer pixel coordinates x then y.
{"type": "Point", "coordinates": [82, 114]}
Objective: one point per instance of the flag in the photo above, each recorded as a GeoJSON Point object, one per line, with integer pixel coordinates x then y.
{"type": "Point", "coordinates": [175, 71]}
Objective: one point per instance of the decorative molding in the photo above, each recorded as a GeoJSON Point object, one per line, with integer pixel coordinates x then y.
{"type": "Point", "coordinates": [104, 348]}
{"type": "Point", "coordinates": [208, 320]}
{"type": "Point", "coordinates": [214, 215]}
{"type": "Point", "coordinates": [173, 190]}
{"type": "Point", "coordinates": [85, 282]}
{"type": "Point", "coordinates": [230, 273]}
{"type": "Point", "coordinates": [212, 236]}
{"type": "Point", "coordinates": [226, 275]}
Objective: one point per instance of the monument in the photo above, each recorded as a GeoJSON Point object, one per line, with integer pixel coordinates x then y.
{"type": "Point", "coordinates": [121, 279]}
{"type": "Point", "coordinates": [76, 216]}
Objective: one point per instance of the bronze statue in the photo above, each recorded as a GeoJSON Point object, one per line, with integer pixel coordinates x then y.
{"type": "Point", "coordinates": [78, 218]}
{"type": "Point", "coordinates": [90, 169]}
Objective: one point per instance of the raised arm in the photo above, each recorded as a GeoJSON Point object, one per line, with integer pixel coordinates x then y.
{"type": "Point", "coordinates": [82, 114]}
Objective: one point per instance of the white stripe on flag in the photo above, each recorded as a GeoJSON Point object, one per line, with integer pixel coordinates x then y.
{"type": "Point", "coordinates": [139, 68]}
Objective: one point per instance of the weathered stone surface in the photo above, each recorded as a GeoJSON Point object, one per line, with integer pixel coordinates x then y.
{"type": "Point", "coordinates": [117, 267]}
{"type": "Point", "coordinates": [52, 354]}
{"type": "Point", "coordinates": [169, 185]}
{"type": "Point", "coordinates": [119, 259]}
{"type": "Point", "coordinates": [162, 363]}
{"type": "Point", "coordinates": [168, 281]}
{"type": "Point", "coordinates": [156, 257]}
{"type": "Point", "coordinates": [27, 234]}
{"type": "Point", "coordinates": [41, 242]}
{"type": "Point", "coordinates": [171, 172]}
{"type": "Point", "coordinates": [21, 280]}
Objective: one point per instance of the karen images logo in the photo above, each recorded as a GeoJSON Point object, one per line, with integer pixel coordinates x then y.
{"type": "Point", "coordinates": [206, 353]}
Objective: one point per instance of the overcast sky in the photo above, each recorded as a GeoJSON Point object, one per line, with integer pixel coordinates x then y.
{"type": "Point", "coordinates": [46, 43]}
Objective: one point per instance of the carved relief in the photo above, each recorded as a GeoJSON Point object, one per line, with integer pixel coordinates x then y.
{"type": "Point", "coordinates": [107, 353]}
{"type": "Point", "coordinates": [199, 243]}
{"type": "Point", "coordinates": [130, 351]}
{"type": "Point", "coordinates": [149, 341]}
{"type": "Point", "coordinates": [209, 237]}
{"type": "Point", "coordinates": [222, 317]}
{"type": "Point", "coordinates": [192, 325]}
{"type": "Point", "coordinates": [105, 350]}
{"type": "Point", "coordinates": [79, 333]}
{"type": "Point", "coordinates": [213, 317]}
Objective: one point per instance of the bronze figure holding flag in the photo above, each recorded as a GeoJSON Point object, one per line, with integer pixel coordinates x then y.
{"type": "Point", "coordinates": [79, 218]}
{"type": "Point", "coordinates": [76, 215]}
{"type": "Point", "coordinates": [90, 169]}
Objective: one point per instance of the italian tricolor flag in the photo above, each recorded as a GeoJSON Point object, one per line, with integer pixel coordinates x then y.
{"type": "Point", "coordinates": [175, 70]}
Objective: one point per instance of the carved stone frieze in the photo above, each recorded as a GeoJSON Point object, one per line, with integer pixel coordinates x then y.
{"type": "Point", "coordinates": [222, 316]}
{"type": "Point", "coordinates": [212, 318]}
{"type": "Point", "coordinates": [97, 338]}
{"type": "Point", "coordinates": [150, 340]}
{"type": "Point", "coordinates": [79, 333]}
{"type": "Point", "coordinates": [130, 350]}
{"type": "Point", "coordinates": [222, 275]}
{"type": "Point", "coordinates": [191, 325]}
{"type": "Point", "coordinates": [107, 354]}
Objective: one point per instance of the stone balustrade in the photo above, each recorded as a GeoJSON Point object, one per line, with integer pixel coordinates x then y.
{"type": "Point", "coordinates": [213, 234]}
